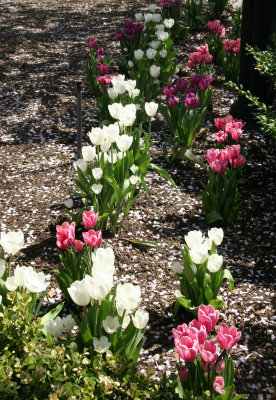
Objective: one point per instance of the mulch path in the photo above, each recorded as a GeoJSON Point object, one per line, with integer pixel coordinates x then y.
{"type": "Point", "coordinates": [42, 46]}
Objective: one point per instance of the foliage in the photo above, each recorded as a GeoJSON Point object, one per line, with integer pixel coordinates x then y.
{"type": "Point", "coordinates": [217, 7]}
{"type": "Point", "coordinates": [194, 13]}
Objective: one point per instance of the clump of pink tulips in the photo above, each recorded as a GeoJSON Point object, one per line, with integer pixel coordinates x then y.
{"type": "Point", "coordinates": [221, 195]}
{"type": "Point", "coordinates": [208, 367]}
{"type": "Point", "coordinates": [217, 33]}
{"type": "Point", "coordinates": [76, 260]}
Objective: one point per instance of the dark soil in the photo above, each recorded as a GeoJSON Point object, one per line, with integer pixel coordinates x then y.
{"type": "Point", "coordinates": [42, 47]}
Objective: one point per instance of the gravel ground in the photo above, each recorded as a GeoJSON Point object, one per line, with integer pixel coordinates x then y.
{"type": "Point", "coordinates": [41, 60]}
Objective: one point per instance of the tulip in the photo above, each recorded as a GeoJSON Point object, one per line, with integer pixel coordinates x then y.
{"type": "Point", "coordinates": [81, 164]}
{"type": "Point", "coordinates": [156, 18]}
{"type": "Point", "coordinates": [228, 336]}
{"type": "Point", "coordinates": [65, 235]}
{"type": "Point", "coordinates": [68, 322]}
{"type": "Point", "coordinates": [155, 71]}
{"type": "Point", "coordinates": [92, 43]}
{"type": "Point", "coordinates": [92, 238]}
{"type": "Point", "coordinates": [151, 108]}
{"type": "Point", "coordinates": [181, 84]}
{"type": "Point", "coordinates": [233, 151]}
{"type": "Point", "coordinates": [199, 254]}
{"type": "Point", "coordinates": [220, 366]}
{"type": "Point", "coordinates": [112, 93]}
{"type": "Point", "coordinates": [237, 162]}
{"type": "Point", "coordinates": [111, 324]}
{"type": "Point", "coordinates": [80, 291]}
{"type": "Point", "coordinates": [140, 319]}
{"type": "Point", "coordinates": [55, 327]}
{"type": "Point", "coordinates": [34, 281]}
{"type": "Point", "coordinates": [184, 373]}
{"type": "Point", "coordinates": [101, 345]}
{"type": "Point", "coordinates": [103, 257]}
{"type": "Point", "coordinates": [208, 317]}
{"type": "Point", "coordinates": [216, 235]}
{"type": "Point", "coordinates": [220, 136]}
{"type": "Point", "coordinates": [198, 329]}
{"type": "Point", "coordinates": [12, 242]}
{"type": "Point", "coordinates": [100, 285]}
{"type": "Point", "coordinates": [181, 330]}
{"type": "Point", "coordinates": [128, 297]}
{"type": "Point", "coordinates": [155, 44]}
{"type": "Point", "coordinates": [194, 79]}
{"type": "Point", "coordinates": [218, 384]}
{"type": "Point", "coordinates": [208, 351]}
{"type": "Point", "coordinates": [169, 90]}
{"type": "Point", "coordinates": [138, 54]}
{"type": "Point", "coordinates": [89, 219]}
{"type": "Point", "coordinates": [88, 153]}
{"type": "Point", "coordinates": [187, 348]}
{"type": "Point", "coordinates": [193, 239]}
{"type": "Point", "coordinates": [119, 35]}
{"type": "Point", "coordinates": [97, 188]}
{"type": "Point", "coordinates": [214, 263]}
{"type": "Point", "coordinates": [169, 23]}
{"type": "Point", "coordinates": [97, 173]}
{"type": "Point", "coordinates": [97, 137]}
{"type": "Point", "coordinates": [139, 17]}
{"type": "Point", "coordinates": [163, 36]}
{"type": "Point", "coordinates": [205, 82]}
{"type": "Point", "coordinates": [115, 110]}
{"type": "Point", "coordinates": [173, 101]}
{"type": "Point", "coordinates": [151, 53]}
{"type": "Point", "coordinates": [177, 268]}
{"type": "Point", "coordinates": [191, 101]}
{"type": "Point", "coordinates": [124, 142]}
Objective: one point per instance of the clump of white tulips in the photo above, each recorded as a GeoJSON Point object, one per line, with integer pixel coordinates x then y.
{"type": "Point", "coordinates": [201, 274]}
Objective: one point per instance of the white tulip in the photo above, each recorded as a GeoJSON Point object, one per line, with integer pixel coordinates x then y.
{"type": "Point", "coordinates": [103, 257]}
{"type": "Point", "coordinates": [151, 53]}
{"type": "Point", "coordinates": [130, 64]}
{"type": "Point", "coordinates": [148, 17]}
{"type": "Point", "coordinates": [88, 153]}
{"type": "Point", "coordinates": [101, 345]}
{"type": "Point", "coordinates": [0, 299]}
{"type": "Point", "coordinates": [81, 164]}
{"type": "Point", "coordinates": [96, 136]}
{"type": "Point", "coordinates": [100, 285]}
{"type": "Point", "coordinates": [160, 27]}
{"type": "Point", "coordinates": [208, 243]}
{"type": "Point", "coordinates": [154, 71]}
{"type": "Point", "coordinates": [11, 283]}
{"type": "Point", "coordinates": [199, 254]}
{"type": "Point", "coordinates": [79, 291]}
{"type": "Point", "coordinates": [156, 18]}
{"type": "Point", "coordinates": [105, 146]}
{"type": "Point", "coordinates": [97, 173]}
{"type": "Point", "coordinates": [127, 119]}
{"type": "Point", "coordinates": [152, 8]}
{"type": "Point", "coordinates": [151, 108]}
{"type": "Point", "coordinates": [169, 23]}
{"type": "Point", "coordinates": [134, 179]}
{"type": "Point", "coordinates": [177, 268]}
{"type": "Point", "coordinates": [155, 44]}
{"type": "Point", "coordinates": [128, 296]}
{"type": "Point", "coordinates": [194, 268]}
{"type": "Point", "coordinates": [119, 77]}
{"type": "Point", "coordinates": [124, 142]}
{"type": "Point", "coordinates": [139, 17]}
{"type": "Point", "coordinates": [119, 86]}
{"type": "Point", "coordinates": [97, 188]}
{"type": "Point", "coordinates": [111, 324]}
{"type": "Point", "coordinates": [2, 268]}
{"type": "Point", "coordinates": [130, 85]}
{"type": "Point", "coordinates": [216, 235]}
{"type": "Point", "coordinates": [34, 281]}
{"type": "Point", "coordinates": [112, 93]}
{"type": "Point", "coordinates": [125, 322]}
{"type": "Point", "coordinates": [111, 132]}
{"type": "Point", "coordinates": [194, 239]}
{"type": "Point", "coordinates": [163, 36]}
{"type": "Point", "coordinates": [140, 319]}
{"type": "Point", "coordinates": [12, 242]}
{"type": "Point", "coordinates": [115, 110]}
{"type": "Point", "coordinates": [214, 262]}
{"type": "Point", "coordinates": [138, 54]}
{"type": "Point", "coordinates": [134, 93]}
{"type": "Point", "coordinates": [69, 203]}
{"type": "Point", "coordinates": [163, 53]}
{"type": "Point", "coordinates": [68, 322]}
{"type": "Point", "coordinates": [55, 327]}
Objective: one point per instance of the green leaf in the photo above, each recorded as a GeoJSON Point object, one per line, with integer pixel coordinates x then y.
{"type": "Point", "coordinates": [163, 173]}
{"type": "Point", "coordinates": [213, 216]}
{"type": "Point", "coordinates": [50, 315]}
{"type": "Point", "coordinates": [142, 242]}
{"type": "Point", "coordinates": [227, 275]}
{"type": "Point", "coordinates": [190, 156]}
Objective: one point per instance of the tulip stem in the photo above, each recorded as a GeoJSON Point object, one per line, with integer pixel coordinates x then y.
{"type": "Point", "coordinates": [9, 265]}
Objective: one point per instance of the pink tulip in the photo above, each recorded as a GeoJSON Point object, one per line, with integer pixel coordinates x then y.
{"type": "Point", "coordinates": [203, 49]}
{"type": "Point", "coordinates": [89, 219]}
{"type": "Point", "coordinates": [92, 238]}
{"type": "Point", "coordinates": [104, 68]}
{"type": "Point", "coordinates": [214, 25]}
{"type": "Point", "coordinates": [92, 43]}
{"type": "Point", "coordinates": [128, 24]}
{"type": "Point", "coordinates": [138, 28]}
{"type": "Point", "coordinates": [218, 384]}
{"type": "Point", "coordinates": [220, 136]}
{"type": "Point", "coordinates": [78, 245]}
{"type": "Point", "coordinates": [181, 84]}
{"type": "Point", "coordinates": [183, 374]}
{"type": "Point", "coordinates": [192, 89]}
{"type": "Point", "coordinates": [237, 162]}
{"type": "Point", "coordinates": [199, 330]}
{"type": "Point", "coordinates": [187, 348]}
{"type": "Point", "coordinates": [119, 35]}
{"type": "Point", "coordinates": [100, 57]}
{"type": "Point", "coordinates": [130, 38]}
{"type": "Point", "coordinates": [212, 155]}
{"type": "Point", "coordinates": [205, 82]}
{"type": "Point", "coordinates": [173, 101]}
{"type": "Point", "coordinates": [236, 133]}
{"type": "Point", "coordinates": [191, 101]}
{"type": "Point", "coordinates": [219, 166]}
{"type": "Point", "coordinates": [208, 351]}
{"type": "Point", "coordinates": [181, 330]}
{"type": "Point", "coordinates": [169, 90]}
{"type": "Point", "coordinates": [207, 58]}
{"type": "Point", "coordinates": [220, 366]}
{"type": "Point", "coordinates": [65, 235]}
{"type": "Point", "coordinates": [228, 336]}
{"type": "Point", "coordinates": [100, 50]}
{"type": "Point", "coordinates": [208, 317]}
{"type": "Point", "coordinates": [233, 151]}
{"type": "Point", "coordinates": [207, 366]}
{"type": "Point", "coordinates": [194, 79]}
